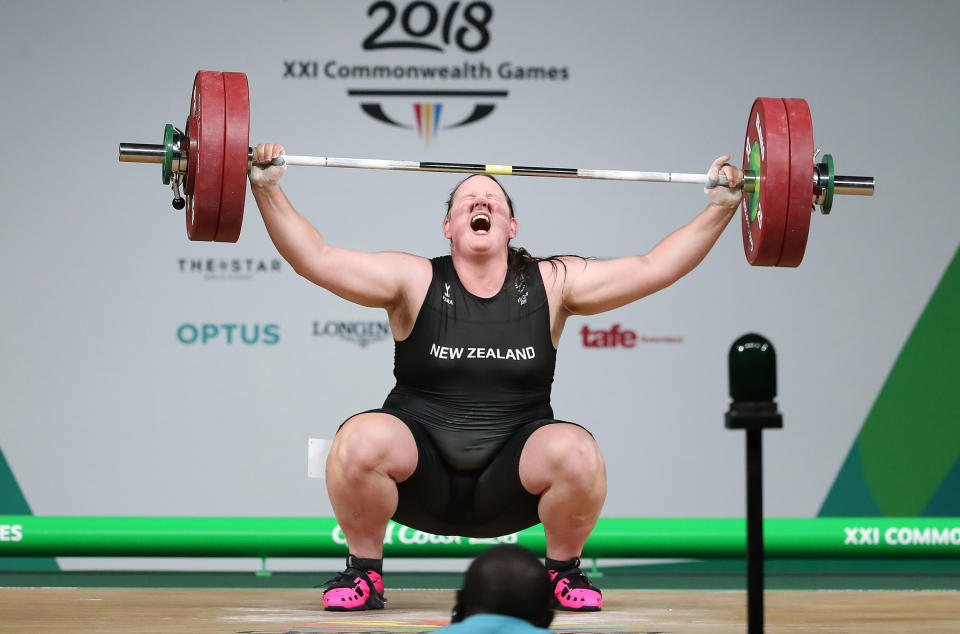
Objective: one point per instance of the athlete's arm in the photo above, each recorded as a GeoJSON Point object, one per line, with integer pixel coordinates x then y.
{"type": "Point", "coordinates": [592, 286]}
{"type": "Point", "coordinates": [384, 280]}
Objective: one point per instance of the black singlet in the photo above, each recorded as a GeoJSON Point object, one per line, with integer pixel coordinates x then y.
{"type": "Point", "coordinates": [475, 369]}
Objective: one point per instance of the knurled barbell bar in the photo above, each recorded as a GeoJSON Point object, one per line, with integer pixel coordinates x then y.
{"type": "Point", "coordinates": [782, 183]}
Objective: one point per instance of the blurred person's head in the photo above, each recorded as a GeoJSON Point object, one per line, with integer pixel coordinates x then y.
{"type": "Point", "coordinates": [508, 580]}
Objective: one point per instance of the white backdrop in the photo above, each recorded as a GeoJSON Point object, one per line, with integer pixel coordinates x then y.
{"type": "Point", "coordinates": [107, 412]}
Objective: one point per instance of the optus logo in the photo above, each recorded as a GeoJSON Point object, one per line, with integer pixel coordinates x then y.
{"type": "Point", "coordinates": [229, 334]}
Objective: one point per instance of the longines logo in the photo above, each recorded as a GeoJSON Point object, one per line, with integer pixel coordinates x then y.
{"type": "Point", "coordinates": [229, 269]}
{"type": "Point", "coordinates": [362, 333]}
{"type": "Point", "coordinates": [454, 28]}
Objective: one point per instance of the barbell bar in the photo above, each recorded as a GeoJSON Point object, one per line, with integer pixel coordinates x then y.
{"type": "Point", "coordinates": [155, 153]}
{"type": "Point", "coordinates": [782, 182]}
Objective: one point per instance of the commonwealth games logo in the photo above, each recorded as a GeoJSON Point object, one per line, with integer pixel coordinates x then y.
{"type": "Point", "coordinates": [428, 29]}
{"type": "Point", "coordinates": [428, 111]}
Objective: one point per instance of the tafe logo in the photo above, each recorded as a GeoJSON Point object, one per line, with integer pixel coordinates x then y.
{"type": "Point", "coordinates": [618, 337]}
{"type": "Point", "coordinates": [608, 338]}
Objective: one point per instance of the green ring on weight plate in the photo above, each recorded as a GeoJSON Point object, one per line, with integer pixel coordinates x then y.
{"type": "Point", "coordinates": [167, 153]}
{"type": "Point", "coordinates": [828, 195]}
{"type": "Point", "coordinates": [754, 196]}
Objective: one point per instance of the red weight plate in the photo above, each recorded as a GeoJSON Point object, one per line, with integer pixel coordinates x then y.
{"type": "Point", "coordinates": [765, 212]}
{"type": "Point", "coordinates": [206, 155]}
{"type": "Point", "coordinates": [191, 150]}
{"type": "Point", "coordinates": [235, 154]}
{"type": "Point", "coordinates": [801, 182]}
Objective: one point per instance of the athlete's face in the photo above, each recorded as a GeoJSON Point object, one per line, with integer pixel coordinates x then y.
{"type": "Point", "coordinates": [479, 218]}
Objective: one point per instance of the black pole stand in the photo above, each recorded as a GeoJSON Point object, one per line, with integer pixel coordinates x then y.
{"type": "Point", "coordinates": [753, 386]}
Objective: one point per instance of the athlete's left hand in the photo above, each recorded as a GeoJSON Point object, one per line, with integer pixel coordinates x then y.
{"type": "Point", "coordinates": [724, 195]}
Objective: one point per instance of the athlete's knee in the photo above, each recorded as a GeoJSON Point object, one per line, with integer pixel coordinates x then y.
{"type": "Point", "coordinates": [571, 453]}
{"type": "Point", "coordinates": [371, 442]}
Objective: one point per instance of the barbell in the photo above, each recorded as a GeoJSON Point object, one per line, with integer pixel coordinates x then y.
{"type": "Point", "coordinates": [783, 182]}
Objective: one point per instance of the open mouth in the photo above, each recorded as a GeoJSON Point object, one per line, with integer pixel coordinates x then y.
{"type": "Point", "coordinates": [480, 223]}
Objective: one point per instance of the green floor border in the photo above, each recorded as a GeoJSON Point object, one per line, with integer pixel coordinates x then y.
{"type": "Point", "coordinates": [694, 575]}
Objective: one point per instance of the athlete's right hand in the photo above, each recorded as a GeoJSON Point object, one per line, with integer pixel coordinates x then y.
{"type": "Point", "coordinates": [262, 171]}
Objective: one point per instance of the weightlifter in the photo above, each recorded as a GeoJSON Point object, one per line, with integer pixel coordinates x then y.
{"type": "Point", "coordinates": [466, 443]}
